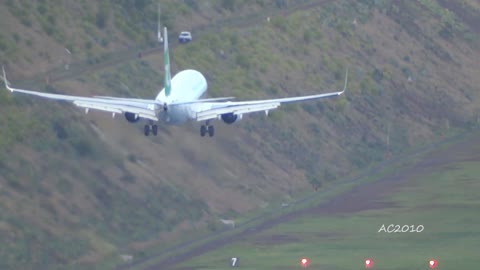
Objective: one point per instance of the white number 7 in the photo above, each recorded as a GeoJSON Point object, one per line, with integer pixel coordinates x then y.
{"type": "Point", "coordinates": [234, 261]}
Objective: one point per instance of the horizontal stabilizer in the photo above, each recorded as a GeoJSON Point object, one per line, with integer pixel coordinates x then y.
{"type": "Point", "coordinates": [202, 100]}
{"type": "Point", "coordinates": [141, 100]}
{"type": "Point", "coordinates": [150, 101]}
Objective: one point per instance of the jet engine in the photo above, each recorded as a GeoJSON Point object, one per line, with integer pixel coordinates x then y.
{"type": "Point", "coordinates": [230, 118]}
{"type": "Point", "coordinates": [132, 117]}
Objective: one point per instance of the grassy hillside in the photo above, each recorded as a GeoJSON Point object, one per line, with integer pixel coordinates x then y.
{"type": "Point", "coordinates": [433, 199]}
{"type": "Point", "coordinates": [78, 188]}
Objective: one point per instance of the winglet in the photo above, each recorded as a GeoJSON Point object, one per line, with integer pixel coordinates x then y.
{"type": "Point", "coordinates": [5, 80]}
{"type": "Point", "coordinates": [346, 80]}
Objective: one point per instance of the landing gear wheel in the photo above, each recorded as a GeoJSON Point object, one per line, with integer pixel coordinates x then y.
{"type": "Point", "coordinates": [154, 130]}
{"type": "Point", "coordinates": [146, 130]}
{"type": "Point", "coordinates": [203, 130]}
{"type": "Point", "coordinates": [211, 131]}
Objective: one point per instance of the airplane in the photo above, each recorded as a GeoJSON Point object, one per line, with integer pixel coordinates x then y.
{"type": "Point", "coordinates": [179, 101]}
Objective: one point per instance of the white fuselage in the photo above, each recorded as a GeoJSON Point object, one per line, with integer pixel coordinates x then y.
{"type": "Point", "coordinates": [187, 85]}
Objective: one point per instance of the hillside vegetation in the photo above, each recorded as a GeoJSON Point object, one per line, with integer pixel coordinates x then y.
{"type": "Point", "coordinates": [78, 189]}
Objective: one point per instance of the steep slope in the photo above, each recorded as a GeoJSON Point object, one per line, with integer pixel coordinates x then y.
{"type": "Point", "coordinates": [77, 188]}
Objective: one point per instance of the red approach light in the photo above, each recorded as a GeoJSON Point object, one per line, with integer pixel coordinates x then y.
{"type": "Point", "coordinates": [432, 263]}
{"type": "Point", "coordinates": [304, 262]}
{"type": "Point", "coordinates": [368, 263]}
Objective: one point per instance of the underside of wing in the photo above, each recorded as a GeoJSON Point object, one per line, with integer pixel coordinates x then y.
{"type": "Point", "coordinates": [216, 109]}
{"type": "Point", "coordinates": [117, 108]}
{"type": "Point", "coordinates": [143, 108]}
{"type": "Point", "coordinates": [235, 109]}
{"type": "Point", "coordinates": [242, 107]}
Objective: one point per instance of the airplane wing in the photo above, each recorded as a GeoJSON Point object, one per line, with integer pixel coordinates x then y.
{"type": "Point", "coordinates": [216, 109]}
{"type": "Point", "coordinates": [142, 108]}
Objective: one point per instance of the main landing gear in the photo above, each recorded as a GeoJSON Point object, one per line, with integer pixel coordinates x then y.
{"type": "Point", "coordinates": [204, 129]}
{"type": "Point", "coordinates": [150, 128]}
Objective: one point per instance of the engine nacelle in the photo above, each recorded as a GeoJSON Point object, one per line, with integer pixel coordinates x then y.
{"type": "Point", "coordinates": [229, 118]}
{"type": "Point", "coordinates": [132, 117]}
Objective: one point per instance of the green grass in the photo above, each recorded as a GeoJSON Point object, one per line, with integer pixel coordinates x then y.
{"type": "Point", "coordinates": [411, 157]}
{"type": "Point", "coordinates": [445, 202]}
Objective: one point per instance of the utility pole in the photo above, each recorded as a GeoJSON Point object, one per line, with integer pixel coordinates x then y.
{"type": "Point", "coordinates": [159, 27]}
{"type": "Point", "coordinates": [388, 153]}
{"type": "Point", "coordinates": [69, 55]}
{"type": "Point", "coordinates": [388, 135]}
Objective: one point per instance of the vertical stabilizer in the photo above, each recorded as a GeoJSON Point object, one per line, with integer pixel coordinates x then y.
{"type": "Point", "coordinates": [166, 62]}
